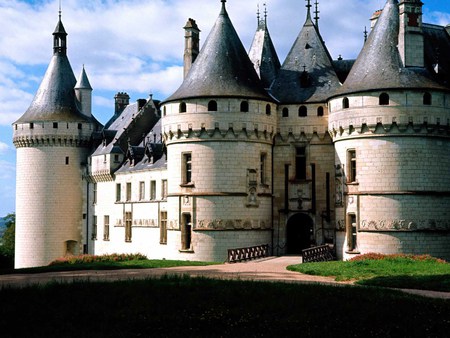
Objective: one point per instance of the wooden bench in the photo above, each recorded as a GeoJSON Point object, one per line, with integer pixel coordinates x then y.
{"type": "Point", "coordinates": [246, 254]}
{"type": "Point", "coordinates": [321, 253]}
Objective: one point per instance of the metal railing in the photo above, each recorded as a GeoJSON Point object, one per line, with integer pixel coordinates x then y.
{"type": "Point", "coordinates": [246, 254]}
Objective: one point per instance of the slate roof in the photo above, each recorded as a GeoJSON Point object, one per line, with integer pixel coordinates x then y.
{"type": "Point", "coordinates": [83, 81]}
{"type": "Point", "coordinates": [55, 99]}
{"type": "Point", "coordinates": [222, 68]}
{"type": "Point", "coordinates": [307, 75]}
{"type": "Point", "coordinates": [264, 56]}
{"type": "Point", "coordinates": [379, 65]}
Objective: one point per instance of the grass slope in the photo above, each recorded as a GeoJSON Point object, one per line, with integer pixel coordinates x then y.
{"type": "Point", "coordinates": [188, 307]}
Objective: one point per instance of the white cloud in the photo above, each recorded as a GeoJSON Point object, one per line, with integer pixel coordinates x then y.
{"type": "Point", "coordinates": [3, 147]}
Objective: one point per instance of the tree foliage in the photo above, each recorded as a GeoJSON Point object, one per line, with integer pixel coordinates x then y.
{"type": "Point", "coordinates": [8, 241]}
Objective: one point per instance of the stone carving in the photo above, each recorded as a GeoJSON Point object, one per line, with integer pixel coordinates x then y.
{"type": "Point", "coordinates": [232, 224]}
{"type": "Point", "coordinates": [405, 225]}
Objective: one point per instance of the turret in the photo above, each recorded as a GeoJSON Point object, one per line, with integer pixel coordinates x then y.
{"type": "Point", "coordinates": [410, 40]}
{"type": "Point", "coordinates": [121, 101]}
{"type": "Point", "coordinates": [83, 92]}
{"type": "Point", "coordinates": [53, 140]}
{"type": "Point", "coordinates": [192, 44]}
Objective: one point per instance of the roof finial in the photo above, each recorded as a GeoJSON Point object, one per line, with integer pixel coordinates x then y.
{"type": "Point", "coordinates": [258, 16]}
{"type": "Point", "coordinates": [60, 10]}
{"type": "Point", "coordinates": [316, 14]}
{"type": "Point", "coordinates": [308, 6]}
{"type": "Point", "coordinates": [365, 34]}
{"type": "Point", "coordinates": [265, 13]}
{"type": "Point", "coordinates": [223, 6]}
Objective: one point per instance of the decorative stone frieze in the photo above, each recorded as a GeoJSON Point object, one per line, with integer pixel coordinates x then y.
{"type": "Point", "coordinates": [405, 225]}
{"type": "Point", "coordinates": [232, 224]}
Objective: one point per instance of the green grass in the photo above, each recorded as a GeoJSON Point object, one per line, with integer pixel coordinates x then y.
{"type": "Point", "coordinates": [399, 272]}
{"type": "Point", "coordinates": [109, 265]}
{"type": "Point", "coordinates": [198, 307]}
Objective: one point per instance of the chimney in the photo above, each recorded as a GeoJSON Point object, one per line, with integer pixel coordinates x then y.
{"type": "Point", "coordinates": [192, 44]}
{"type": "Point", "coordinates": [122, 100]}
{"type": "Point", "coordinates": [374, 18]}
{"type": "Point", "coordinates": [410, 40]}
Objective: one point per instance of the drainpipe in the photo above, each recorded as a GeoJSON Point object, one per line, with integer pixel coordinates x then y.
{"type": "Point", "coordinates": [271, 201]}
{"type": "Point", "coordinates": [313, 190]}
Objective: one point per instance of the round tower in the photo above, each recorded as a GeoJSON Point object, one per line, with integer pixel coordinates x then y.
{"type": "Point", "coordinates": [218, 128]}
{"type": "Point", "coordinates": [53, 141]}
{"type": "Point", "coordinates": [390, 127]}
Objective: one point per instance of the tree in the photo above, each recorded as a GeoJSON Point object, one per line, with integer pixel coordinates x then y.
{"type": "Point", "coordinates": [8, 241]}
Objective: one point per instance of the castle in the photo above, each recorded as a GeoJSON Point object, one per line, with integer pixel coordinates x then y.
{"type": "Point", "coordinates": [247, 151]}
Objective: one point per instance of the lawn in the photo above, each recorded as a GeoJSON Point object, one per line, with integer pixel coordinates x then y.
{"type": "Point", "coordinates": [198, 307]}
{"type": "Point", "coordinates": [399, 271]}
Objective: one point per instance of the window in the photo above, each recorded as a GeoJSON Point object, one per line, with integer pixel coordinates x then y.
{"type": "Point", "coordinates": [262, 168]}
{"type": "Point", "coordinates": [152, 190]}
{"type": "Point", "coordinates": [351, 163]}
{"type": "Point", "coordinates": [163, 228]}
{"type": "Point", "coordinates": [384, 99]}
{"type": "Point", "coordinates": [80, 126]}
{"type": "Point", "coordinates": [427, 99]}
{"type": "Point", "coordinates": [116, 158]}
{"type": "Point", "coordinates": [351, 233]}
{"type": "Point", "coordinates": [212, 105]}
{"type": "Point", "coordinates": [118, 192]}
{"type": "Point", "coordinates": [141, 191]}
{"type": "Point", "coordinates": [186, 232]}
{"type": "Point", "coordinates": [106, 228]}
{"type": "Point", "coordinates": [95, 194]}
{"type": "Point", "coordinates": [302, 111]}
{"type": "Point", "coordinates": [55, 125]}
{"type": "Point", "coordinates": [300, 163]}
{"type": "Point", "coordinates": [244, 106]}
{"type": "Point", "coordinates": [128, 224]}
{"type": "Point", "coordinates": [183, 107]}
{"type": "Point", "coordinates": [268, 109]}
{"type": "Point", "coordinates": [31, 125]}
{"type": "Point", "coordinates": [67, 160]}
{"type": "Point", "coordinates": [320, 111]}
{"type": "Point", "coordinates": [187, 168]}
{"type": "Point", "coordinates": [128, 192]}
{"type": "Point", "coordinates": [345, 103]}
{"type": "Point", "coordinates": [94, 228]}
{"type": "Point", "coordinates": [164, 189]}
{"type": "Point", "coordinates": [285, 112]}
{"type": "Point", "coordinates": [164, 111]}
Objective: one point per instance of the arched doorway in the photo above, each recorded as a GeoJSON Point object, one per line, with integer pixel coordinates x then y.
{"type": "Point", "coordinates": [299, 233]}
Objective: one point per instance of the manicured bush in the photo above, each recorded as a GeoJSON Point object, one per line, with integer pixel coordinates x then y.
{"type": "Point", "coordinates": [377, 256]}
{"type": "Point", "coordinates": [83, 259]}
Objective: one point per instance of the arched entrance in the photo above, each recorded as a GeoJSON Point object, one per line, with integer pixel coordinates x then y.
{"type": "Point", "coordinates": [299, 233]}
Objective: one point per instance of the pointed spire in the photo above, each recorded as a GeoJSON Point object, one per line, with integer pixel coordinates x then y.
{"type": "Point", "coordinates": [59, 37]}
{"type": "Point", "coordinates": [316, 13]}
{"type": "Point", "coordinates": [308, 6]}
{"type": "Point", "coordinates": [83, 81]}
{"type": "Point", "coordinates": [224, 10]}
{"type": "Point", "coordinates": [265, 14]}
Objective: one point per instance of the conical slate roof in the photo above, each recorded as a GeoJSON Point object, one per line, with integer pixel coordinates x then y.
{"type": "Point", "coordinates": [379, 65]}
{"type": "Point", "coordinates": [307, 75]}
{"type": "Point", "coordinates": [55, 98]}
{"type": "Point", "coordinates": [264, 56]}
{"type": "Point", "coordinates": [223, 68]}
{"type": "Point", "coordinates": [83, 81]}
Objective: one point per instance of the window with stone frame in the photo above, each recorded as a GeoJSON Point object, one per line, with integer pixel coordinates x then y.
{"type": "Point", "coordinates": [303, 111]}
{"type": "Point", "coordinates": [128, 226]}
{"type": "Point", "coordinates": [106, 228]}
{"type": "Point", "coordinates": [164, 189]}
{"type": "Point", "coordinates": [345, 103]}
{"type": "Point", "coordinates": [300, 163]}
{"type": "Point", "coordinates": [94, 228]}
{"type": "Point", "coordinates": [186, 232]}
{"type": "Point", "coordinates": [186, 175]}
{"type": "Point", "coordinates": [384, 99]}
{"type": "Point", "coordinates": [352, 233]}
{"type": "Point", "coordinates": [128, 191]}
{"type": "Point", "coordinates": [244, 107]}
{"type": "Point", "coordinates": [212, 105]}
{"type": "Point", "coordinates": [263, 168]}
{"type": "Point", "coordinates": [95, 194]}
{"type": "Point", "coordinates": [152, 190]}
{"type": "Point", "coordinates": [351, 165]}
{"type": "Point", "coordinates": [163, 228]}
{"type": "Point", "coordinates": [118, 192]}
{"type": "Point", "coordinates": [427, 99]}
{"type": "Point", "coordinates": [141, 191]}
{"type": "Point", "coordinates": [285, 112]}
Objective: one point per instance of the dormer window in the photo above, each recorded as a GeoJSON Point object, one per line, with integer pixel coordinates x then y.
{"type": "Point", "coordinates": [302, 111]}
{"type": "Point", "coordinates": [212, 105]}
{"type": "Point", "coordinates": [384, 99]}
{"type": "Point", "coordinates": [183, 107]}
{"type": "Point", "coordinates": [345, 103]}
{"type": "Point", "coordinates": [244, 107]}
{"type": "Point", "coordinates": [427, 99]}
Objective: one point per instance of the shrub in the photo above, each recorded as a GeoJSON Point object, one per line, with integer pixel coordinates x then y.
{"type": "Point", "coordinates": [86, 259]}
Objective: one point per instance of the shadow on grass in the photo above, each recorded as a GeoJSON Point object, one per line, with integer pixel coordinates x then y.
{"type": "Point", "coordinates": [433, 282]}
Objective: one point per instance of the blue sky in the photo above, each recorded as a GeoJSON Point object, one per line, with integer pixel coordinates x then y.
{"type": "Point", "coordinates": [136, 46]}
